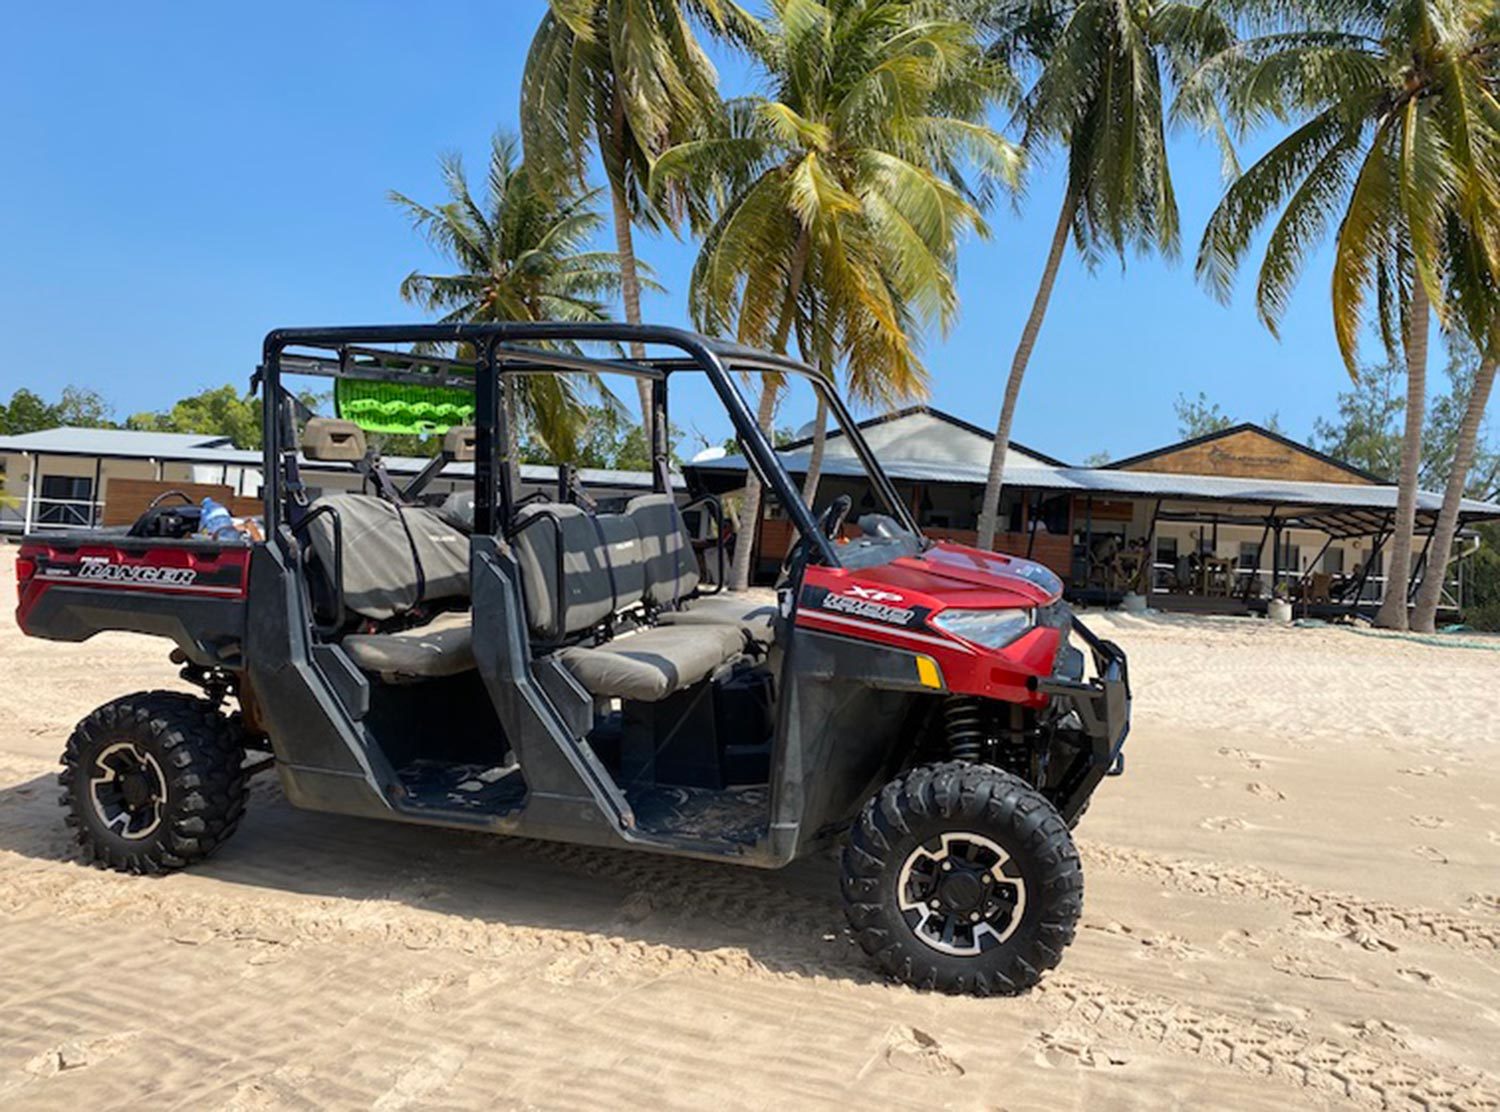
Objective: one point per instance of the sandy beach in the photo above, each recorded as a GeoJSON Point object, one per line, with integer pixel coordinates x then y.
{"type": "Point", "coordinates": [1292, 899]}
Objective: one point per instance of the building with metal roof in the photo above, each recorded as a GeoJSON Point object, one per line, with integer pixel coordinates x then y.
{"type": "Point", "coordinates": [71, 478]}
{"type": "Point", "coordinates": [1218, 522]}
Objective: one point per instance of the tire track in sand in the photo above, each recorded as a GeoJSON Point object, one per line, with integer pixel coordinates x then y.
{"type": "Point", "coordinates": [1369, 1076]}
{"type": "Point", "coordinates": [1339, 912]}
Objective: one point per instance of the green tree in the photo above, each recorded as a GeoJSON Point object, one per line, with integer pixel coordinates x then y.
{"type": "Point", "coordinates": [77, 407]}
{"type": "Point", "coordinates": [1397, 137]}
{"type": "Point", "coordinates": [26, 412]}
{"type": "Point", "coordinates": [1100, 69]}
{"type": "Point", "coordinates": [627, 80]}
{"type": "Point", "coordinates": [81, 408]}
{"type": "Point", "coordinates": [521, 254]}
{"type": "Point", "coordinates": [1366, 431]}
{"type": "Point", "coordinates": [1482, 610]}
{"type": "Point", "coordinates": [1199, 416]}
{"type": "Point", "coordinates": [1467, 457]}
{"type": "Point", "coordinates": [218, 411]}
{"type": "Point", "coordinates": [840, 197]}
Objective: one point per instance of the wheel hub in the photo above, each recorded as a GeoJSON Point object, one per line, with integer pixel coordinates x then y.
{"type": "Point", "coordinates": [127, 790]}
{"type": "Point", "coordinates": [961, 893]}
{"type": "Point", "coordinates": [135, 789]}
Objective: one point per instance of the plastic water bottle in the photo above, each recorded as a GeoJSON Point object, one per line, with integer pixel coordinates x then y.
{"type": "Point", "coordinates": [216, 521]}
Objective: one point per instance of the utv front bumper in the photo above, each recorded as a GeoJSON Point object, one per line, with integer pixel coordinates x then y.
{"type": "Point", "coordinates": [1102, 707]}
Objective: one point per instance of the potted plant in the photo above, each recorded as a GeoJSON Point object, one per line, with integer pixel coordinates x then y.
{"type": "Point", "coordinates": [1279, 609]}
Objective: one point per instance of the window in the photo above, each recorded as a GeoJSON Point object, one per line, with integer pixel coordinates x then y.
{"type": "Point", "coordinates": [1249, 555]}
{"type": "Point", "coordinates": [1166, 550]}
{"type": "Point", "coordinates": [1333, 560]}
{"type": "Point", "coordinates": [66, 500]}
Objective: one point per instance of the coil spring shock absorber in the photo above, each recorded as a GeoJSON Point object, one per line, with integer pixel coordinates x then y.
{"type": "Point", "coordinates": [964, 719]}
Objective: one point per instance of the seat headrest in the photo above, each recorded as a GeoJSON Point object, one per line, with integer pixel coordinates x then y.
{"type": "Point", "coordinates": [458, 443]}
{"type": "Point", "coordinates": [330, 440]}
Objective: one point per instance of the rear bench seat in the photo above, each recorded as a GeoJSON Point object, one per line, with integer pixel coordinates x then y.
{"type": "Point", "coordinates": [393, 561]}
{"type": "Point", "coordinates": [672, 576]}
{"type": "Point", "coordinates": [605, 572]}
{"type": "Point", "coordinates": [612, 564]}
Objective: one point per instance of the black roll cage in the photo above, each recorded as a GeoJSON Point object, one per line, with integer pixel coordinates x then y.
{"type": "Point", "coordinates": [505, 348]}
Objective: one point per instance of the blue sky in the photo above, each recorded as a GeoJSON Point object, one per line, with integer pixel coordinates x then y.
{"type": "Point", "coordinates": [181, 178]}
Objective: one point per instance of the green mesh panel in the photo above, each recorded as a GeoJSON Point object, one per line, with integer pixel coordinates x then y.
{"type": "Point", "coordinates": [393, 407]}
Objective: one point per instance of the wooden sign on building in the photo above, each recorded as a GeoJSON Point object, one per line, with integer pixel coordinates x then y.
{"type": "Point", "coordinates": [1247, 452]}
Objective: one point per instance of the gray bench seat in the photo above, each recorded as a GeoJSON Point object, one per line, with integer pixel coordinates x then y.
{"type": "Point", "coordinates": [752, 612]}
{"type": "Point", "coordinates": [442, 647]}
{"type": "Point", "coordinates": [651, 664]}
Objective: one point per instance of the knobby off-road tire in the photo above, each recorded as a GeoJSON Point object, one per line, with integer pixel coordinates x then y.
{"type": "Point", "coordinates": [153, 782]}
{"type": "Point", "coordinates": [960, 877]}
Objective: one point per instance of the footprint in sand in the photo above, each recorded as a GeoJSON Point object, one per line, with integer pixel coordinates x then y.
{"type": "Point", "coordinates": [1265, 791]}
{"type": "Point", "coordinates": [1221, 823]}
{"type": "Point", "coordinates": [1379, 1032]}
{"type": "Point", "coordinates": [1429, 822]}
{"type": "Point", "coordinates": [1486, 902]}
{"type": "Point", "coordinates": [77, 1054]}
{"type": "Point", "coordinates": [1245, 758]}
{"type": "Point", "coordinates": [913, 1051]}
{"type": "Point", "coordinates": [1069, 1047]}
{"type": "Point", "coordinates": [1423, 770]}
{"type": "Point", "coordinates": [1431, 853]}
{"type": "Point", "coordinates": [1239, 942]}
{"type": "Point", "coordinates": [423, 1079]}
{"type": "Point", "coordinates": [1312, 969]}
{"type": "Point", "coordinates": [1417, 976]}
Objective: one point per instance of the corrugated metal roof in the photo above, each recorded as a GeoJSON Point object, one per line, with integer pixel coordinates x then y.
{"type": "Point", "coordinates": [110, 442]}
{"type": "Point", "coordinates": [217, 451]}
{"type": "Point", "coordinates": [1148, 484]}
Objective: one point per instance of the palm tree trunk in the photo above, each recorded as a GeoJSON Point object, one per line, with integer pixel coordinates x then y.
{"type": "Point", "coordinates": [815, 460]}
{"type": "Point", "coordinates": [1424, 618]}
{"type": "Point", "coordinates": [1393, 613]}
{"type": "Point", "coordinates": [512, 434]}
{"type": "Point", "coordinates": [630, 278]}
{"type": "Point", "coordinates": [989, 515]}
{"type": "Point", "coordinates": [765, 415]}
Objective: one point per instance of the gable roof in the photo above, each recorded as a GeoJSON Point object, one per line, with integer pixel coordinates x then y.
{"type": "Point", "coordinates": [927, 411]}
{"type": "Point", "coordinates": [1134, 462]}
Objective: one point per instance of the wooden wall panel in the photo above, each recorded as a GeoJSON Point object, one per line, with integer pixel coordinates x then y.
{"type": "Point", "coordinates": [1247, 454]}
{"type": "Point", "coordinates": [126, 499]}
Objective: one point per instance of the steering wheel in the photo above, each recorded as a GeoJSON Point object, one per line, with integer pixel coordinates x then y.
{"type": "Point", "coordinates": [832, 519]}
{"type": "Point", "coordinates": [829, 522]}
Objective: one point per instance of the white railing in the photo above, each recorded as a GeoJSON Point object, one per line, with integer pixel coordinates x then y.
{"type": "Point", "coordinates": [61, 514]}
{"type": "Point", "coordinates": [1373, 589]}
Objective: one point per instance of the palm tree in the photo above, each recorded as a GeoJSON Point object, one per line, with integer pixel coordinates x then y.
{"type": "Point", "coordinates": [840, 197]}
{"type": "Point", "coordinates": [520, 253]}
{"type": "Point", "coordinates": [1099, 94]}
{"type": "Point", "coordinates": [627, 79]}
{"type": "Point", "coordinates": [1424, 615]}
{"type": "Point", "coordinates": [1399, 138]}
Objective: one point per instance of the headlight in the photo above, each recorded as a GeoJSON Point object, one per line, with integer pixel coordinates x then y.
{"type": "Point", "coordinates": [994, 629]}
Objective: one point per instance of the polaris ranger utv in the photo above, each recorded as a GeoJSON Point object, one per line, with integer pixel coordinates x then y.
{"type": "Point", "coordinates": [535, 667]}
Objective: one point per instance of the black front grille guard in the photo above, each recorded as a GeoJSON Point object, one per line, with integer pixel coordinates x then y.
{"type": "Point", "coordinates": [1103, 707]}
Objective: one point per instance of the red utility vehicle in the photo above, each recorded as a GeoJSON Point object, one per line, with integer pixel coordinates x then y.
{"type": "Point", "coordinates": [560, 669]}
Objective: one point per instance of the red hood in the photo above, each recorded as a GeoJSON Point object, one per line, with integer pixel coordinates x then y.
{"type": "Point", "coordinates": [969, 577]}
